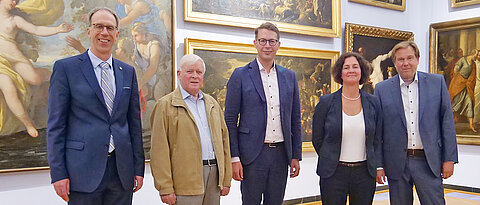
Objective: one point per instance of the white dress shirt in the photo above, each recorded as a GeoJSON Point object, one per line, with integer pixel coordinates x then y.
{"type": "Point", "coordinates": [273, 133]}
{"type": "Point", "coordinates": [410, 106]}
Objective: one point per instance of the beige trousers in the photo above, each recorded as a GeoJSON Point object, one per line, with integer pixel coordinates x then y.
{"type": "Point", "coordinates": [211, 196]}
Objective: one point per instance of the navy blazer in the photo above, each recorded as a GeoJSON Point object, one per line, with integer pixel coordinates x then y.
{"type": "Point", "coordinates": [246, 97]}
{"type": "Point", "coordinates": [437, 129]}
{"type": "Point", "coordinates": [79, 125]}
{"type": "Point", "coordinates": [327, 132]}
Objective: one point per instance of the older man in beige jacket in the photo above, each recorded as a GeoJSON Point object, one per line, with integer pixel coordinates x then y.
{"type": "Point", "coordinates": [190, 154]}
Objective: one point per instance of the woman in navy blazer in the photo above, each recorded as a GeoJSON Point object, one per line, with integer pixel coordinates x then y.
{"type": "Point", "coordinates": [347, 135]}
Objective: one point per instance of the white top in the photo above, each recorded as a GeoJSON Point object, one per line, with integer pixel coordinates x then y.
{"type": "Point", "coordinates": [353, 138]}
{"type": "Point", "coordinates": [273, 132]}
{"type": "Point", "coordinates": [410, 107]}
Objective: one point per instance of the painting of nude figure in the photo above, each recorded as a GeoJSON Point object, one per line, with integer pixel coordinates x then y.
{"type": "Point", "coordinates": [310, 17]}
{"type": "Point", "coordinates": [374, 44]}
{"type": "Point", "coordinates": [455, 54]}
{"type": "Point", "coordinates": [36, 33]}
{"type": "Point", "coordinates": [311, 66]}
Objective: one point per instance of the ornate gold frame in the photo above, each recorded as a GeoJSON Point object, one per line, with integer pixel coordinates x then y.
{"type": "Point", "coordinates": [382, 4]}
{"type": "Point", "coordinates": [451, 26]}
{"type": "Point", "coordinates": [335, 31]}
{"type": "Point", "coordinates": [356, 29]}
{"type": "Point", "coordinates": [194, 44]}
{"type": "Point", "coordinates": [173, 86]}
{"type": "Point", "coordinates": [454, 4]}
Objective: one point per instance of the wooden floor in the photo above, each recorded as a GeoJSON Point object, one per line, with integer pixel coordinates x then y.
{"type": "Point", "coordinates": [453, 197]}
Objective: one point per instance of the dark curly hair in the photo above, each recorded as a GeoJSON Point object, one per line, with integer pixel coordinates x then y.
{"type": "Point", "coordinates": [364, 67]}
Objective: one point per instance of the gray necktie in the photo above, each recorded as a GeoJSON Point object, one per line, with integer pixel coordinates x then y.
{"type": "Point", "coordinates": [108, 95]}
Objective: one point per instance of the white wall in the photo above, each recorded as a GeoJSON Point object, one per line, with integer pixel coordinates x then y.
{"type": "Point", "coordinates": [35, 188]}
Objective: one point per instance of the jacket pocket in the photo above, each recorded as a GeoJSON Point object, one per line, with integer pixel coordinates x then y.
{"type": "Point", "coordinates": [74, 145]}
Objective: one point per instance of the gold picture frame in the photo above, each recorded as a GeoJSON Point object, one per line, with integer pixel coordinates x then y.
{"type": "Point", "coordinates": [374, 43]}
{"type": "Point", "coordinates": [456, 3]}
{"type": "Point", "coordinates": [400, 6]}
{"type": "Point", "coordinates": [221, 58]}
{"type": "Point", "coordinates": [449, 42]}
{"type": "Point", "coordinates": [20, 152]}
{"type": "Point", "coordinates": [321, 20]}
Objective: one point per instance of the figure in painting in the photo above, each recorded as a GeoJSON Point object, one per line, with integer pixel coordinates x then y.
{"type": "Point", "coordinates": [16, 71]}
{"type": "Point", "coordinates": [462, 87]}
{"type": "Point", "coordinates": [476, 106]}
{"type": "Point", "coordinates": [133, 11]}
{"type": "Point", "coordinates": [147, 56]}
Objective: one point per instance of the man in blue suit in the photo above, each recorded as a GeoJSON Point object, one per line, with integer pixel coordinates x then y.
{"type": "Point", "coordinates": [419, 141]}
{"type": "Point", "coordinates": [266, 138]}
{"type": "Point", "coordinates": [94, 138]}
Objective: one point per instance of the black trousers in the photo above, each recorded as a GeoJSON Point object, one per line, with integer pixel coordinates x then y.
{"type": "Point", "coordinates": [355, 182]}
{"type": "Point", "coordinates": [109, 192]}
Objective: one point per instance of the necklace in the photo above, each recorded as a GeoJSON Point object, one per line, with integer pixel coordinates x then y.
{"type": "Point", "coordinates": [352, 99]}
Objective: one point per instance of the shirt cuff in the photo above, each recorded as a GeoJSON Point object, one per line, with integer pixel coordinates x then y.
{"type": "Point", "coordinates": [379, 168]}
{"type": "Point", "coordinates": [235, 159]}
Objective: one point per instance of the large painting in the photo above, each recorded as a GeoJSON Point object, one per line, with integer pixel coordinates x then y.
{"type": "Point", "coordinates": [311, 66]}
{"type": "Point", "coordinates": [374, 44]}
{"type": "Point", "coordinates": [310, 17]}
{"type": "Point", "coordinates": [28, 52]}
{"type": "Point", "coordinates": [459, 3]}
{"type": "Point", "coordinates": [454, 54]}
{"type": "Point", "coordinates": [389, 4]}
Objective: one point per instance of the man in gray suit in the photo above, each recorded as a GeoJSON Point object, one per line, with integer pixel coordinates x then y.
{"type": "Point", "coordinates": [419, 141]}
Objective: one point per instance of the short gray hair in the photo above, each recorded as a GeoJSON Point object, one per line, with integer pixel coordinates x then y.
{"type": "Point", "coordinates": [190, 59]}
{"type": "Point", "coordinates": [95, 10]}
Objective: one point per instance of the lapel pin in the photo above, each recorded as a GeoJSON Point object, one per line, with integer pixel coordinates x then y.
{"type": "Point", "coordinates": [121, 68]}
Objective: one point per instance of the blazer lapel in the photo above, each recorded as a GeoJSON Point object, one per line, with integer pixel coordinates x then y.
{"type": "Point", "coordinates": [367, 115]}
{"type": "Point", "coordinates": [422, 93]}
{"type": "Point", "coordinates": [118, 72]}
{"type": "Point", "coordinates": [254, 73]}
{"type": "Point", "coordinates": [87, 70]}
{"type": "Point", "coordinates": [397, 98]}
{"type": "Point", "coordinates": [337, 111]}
{"type": "Point", "coordinates": [282, 89]}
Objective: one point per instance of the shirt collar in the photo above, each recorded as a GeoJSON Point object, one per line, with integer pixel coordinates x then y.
{"type": "Point", "coordinates": [415, 80]}
{"type": "Point", "coordinates": [96, 60]}
{"type": "Point", "coordinates": [185, 94]}
{"type": "Point", "coordinates": [260, 66]}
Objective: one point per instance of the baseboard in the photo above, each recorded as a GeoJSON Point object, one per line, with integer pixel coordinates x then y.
{"type": "Point", "coordinates": [462, 188]}
{"type": "Point", "coordinates": [309, 199]}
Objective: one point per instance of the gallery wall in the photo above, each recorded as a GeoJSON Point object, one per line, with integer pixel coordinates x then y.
{"type": "Point", "coordinates": [34, 187]}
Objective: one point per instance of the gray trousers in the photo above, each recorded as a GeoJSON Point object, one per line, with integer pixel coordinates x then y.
{"type": "Point", "coordinates": [211, 196]}
{"type": "Point", "coordinates": [417, 172]}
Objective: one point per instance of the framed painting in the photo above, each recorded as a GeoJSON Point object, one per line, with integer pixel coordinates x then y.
{"type": "Point", "coordinates": [317, 17]}
{"type": "Point", "coordinates": [18, 150]}
{"type": "Point", "coordinates": [311, 66]}
{"type": "Point", "coordinates": [460, 3]}
{"type": "Point", "coordinates": [374, 43]}
{"type": "Point", "coordinates": [454, 54]}
{"type": "Point", "coordinates": [389, 4]}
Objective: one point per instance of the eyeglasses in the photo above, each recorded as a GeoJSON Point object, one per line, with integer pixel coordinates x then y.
{"type": "Point", "coordinates": [100, 27]}
{"type": "Point", "coordinates": [271, 42]}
